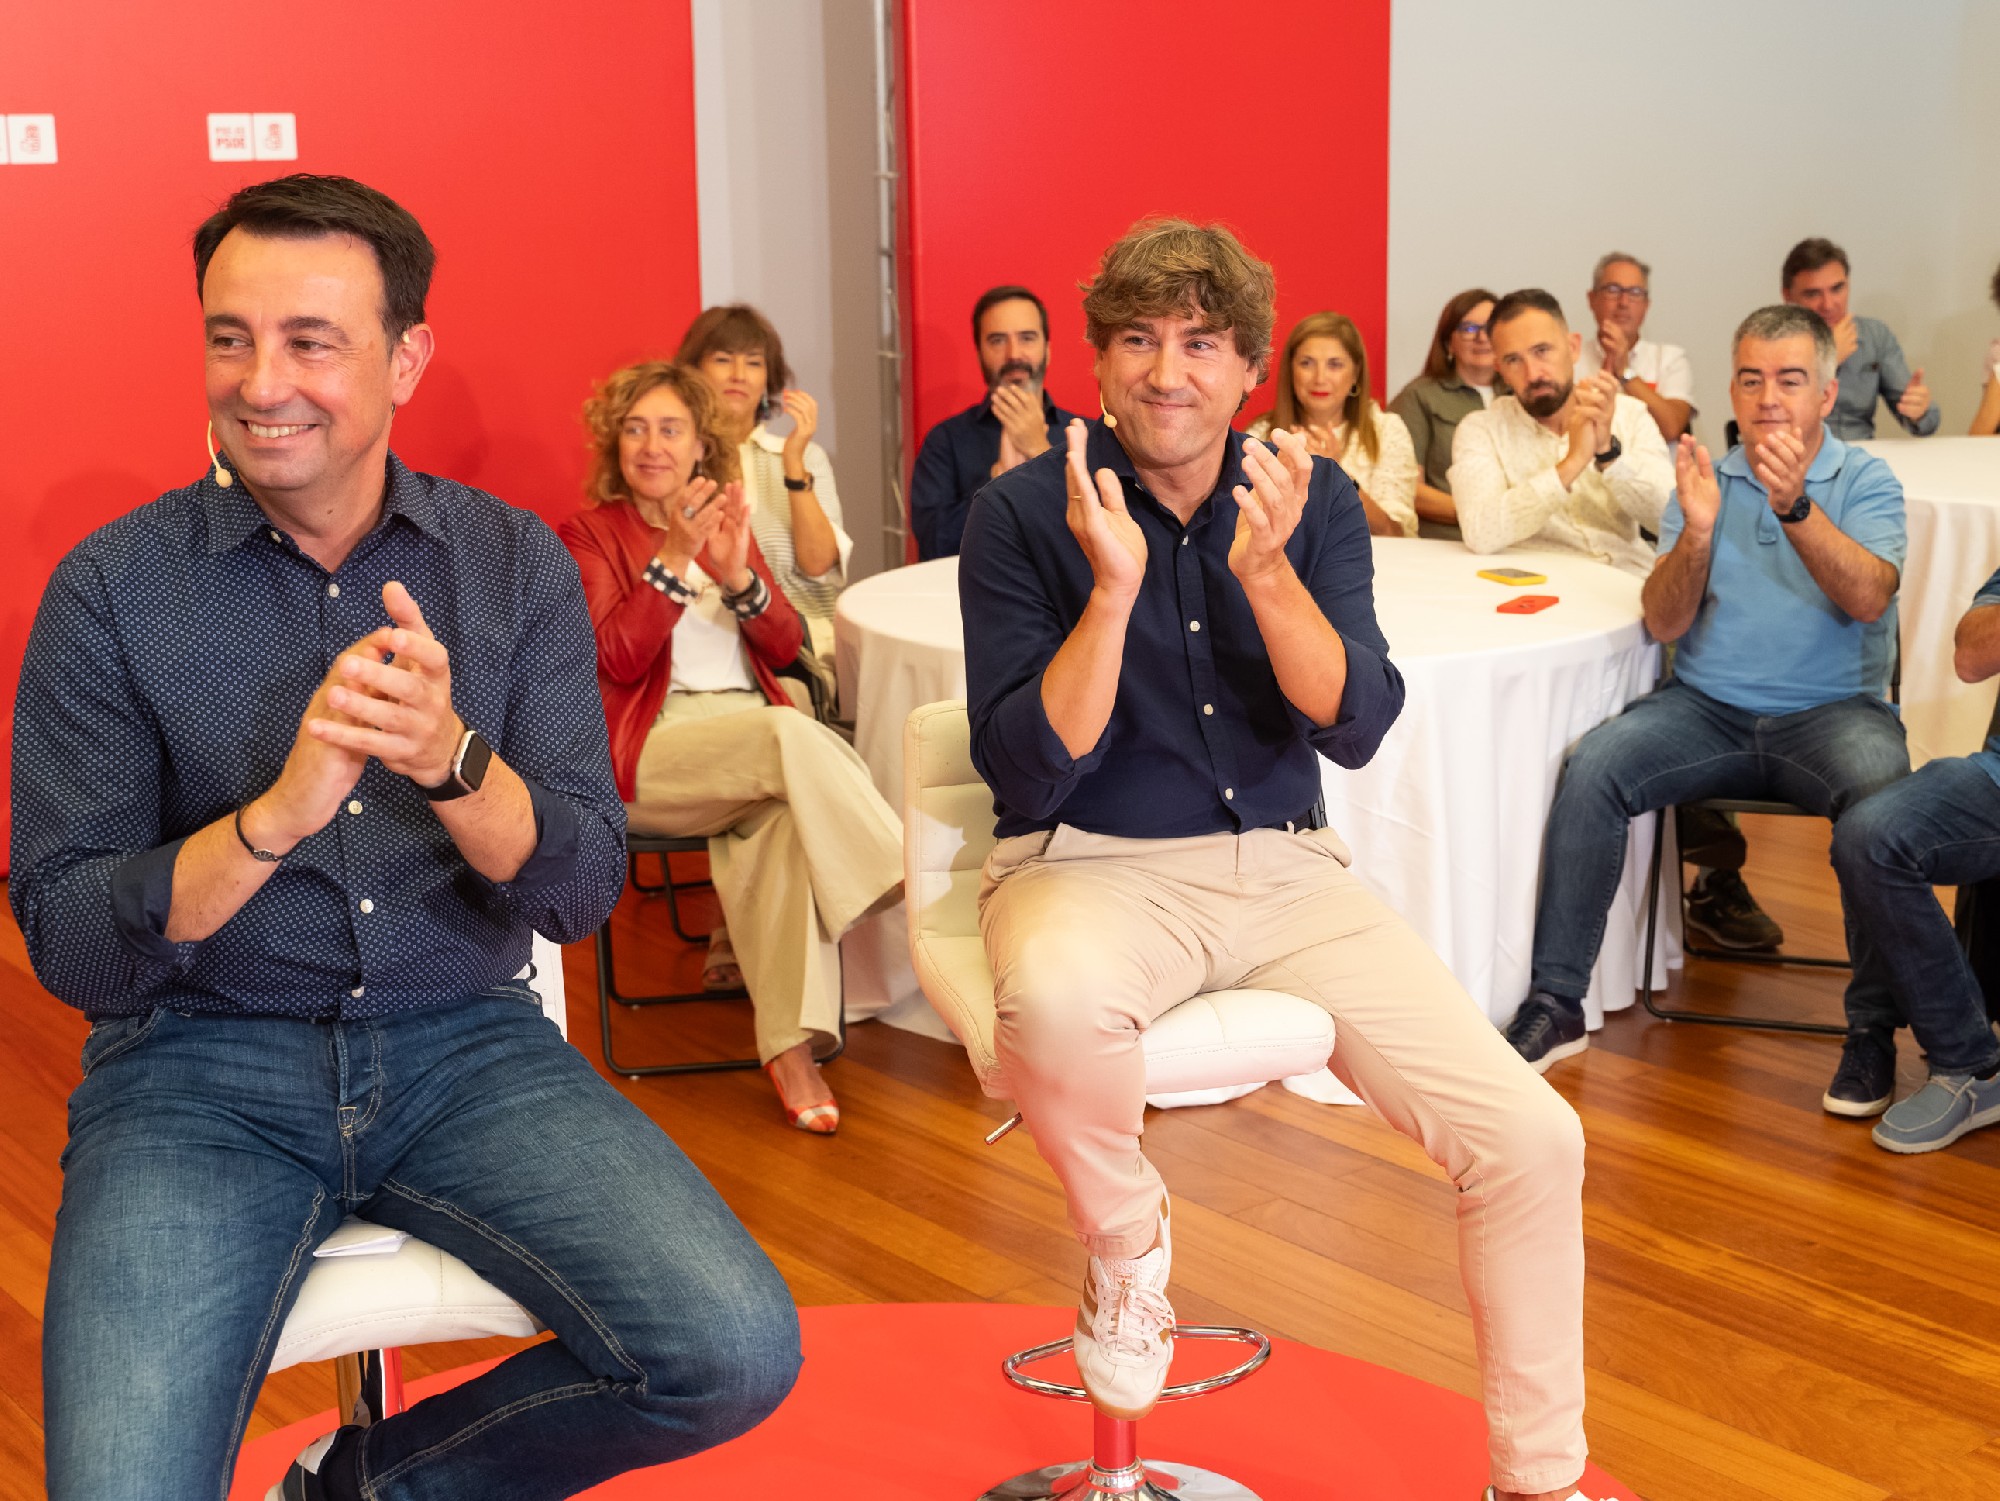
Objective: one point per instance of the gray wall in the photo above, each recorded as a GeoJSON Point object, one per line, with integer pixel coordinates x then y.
{"type": "Point", "coordinates": [785, 142]}
{"type": "Point", "coordinates": [1707, 137]}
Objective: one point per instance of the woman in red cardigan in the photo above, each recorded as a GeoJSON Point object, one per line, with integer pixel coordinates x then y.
{"type": "Point", "coordinates": [691, 629]}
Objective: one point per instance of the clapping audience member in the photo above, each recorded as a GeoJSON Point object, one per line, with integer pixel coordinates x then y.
{"type": "Point", "coordinates": [1937, 827]}
{"type": "Point", "coordinates": [1657, 375]}
{"type": "Point", "coordinates": [1872, 366]}
{"type": "Point", "coordinates": [1322, 394]}
{"type": "Point", "coordinates": [1457, 380]}
{"type": "Point", "coordinates": [794, 508]}
{"type": "Point", "coordinates": [1986, 421]}
{"type": "Point", "coordinates": [1129, 877]}
{"type": "Point", "coordinates": [691, 631]}
{"type": "Point", "coordinates": [1777, 578]}
{"type": "Point", "coordinates": [1562, 464]}
{"type": "Point", "coordinates": [1012, 422]}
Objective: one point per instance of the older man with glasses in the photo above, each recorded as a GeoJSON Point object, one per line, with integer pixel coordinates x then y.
{"type": "Point", "coordinates": [1658, 375]}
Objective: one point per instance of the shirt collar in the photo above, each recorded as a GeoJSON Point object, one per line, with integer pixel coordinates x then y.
{"type": "Point", "coordinates": [1828, 462]}
{"type": "Point", "coordinates": [767, 440]}
{"type": "Point", "coordinates": [1104, 451]}
{"type": "Point", "coordinates": [233, 517]}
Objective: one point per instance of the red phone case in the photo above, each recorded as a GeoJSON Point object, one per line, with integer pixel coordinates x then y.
{"type": "Point", "coordinates": [1526, 604]}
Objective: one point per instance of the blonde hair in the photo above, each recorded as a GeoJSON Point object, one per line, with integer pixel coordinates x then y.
{"type": "Point", "coordinates": [611, 403]}
{"type": "Point", "coordinates": [1359, 411]}
{"type": "Point", "coordinates": [1167, 268]}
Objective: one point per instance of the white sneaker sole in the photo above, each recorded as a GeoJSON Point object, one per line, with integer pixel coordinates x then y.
{"type": "Point", "coordinates": [1561, 1051]}
{"type": "Point", "coordinates": [1854, 1110]}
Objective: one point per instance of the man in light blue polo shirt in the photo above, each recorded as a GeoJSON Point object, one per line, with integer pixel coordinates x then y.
{"type": "Point", "coordinates": [1940, 827]}
{"type": "Point", "coordinates": [1777, 575]}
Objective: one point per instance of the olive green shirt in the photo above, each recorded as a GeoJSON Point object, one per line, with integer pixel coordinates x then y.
{"type": "Point", "coordinates": [1431, 410]}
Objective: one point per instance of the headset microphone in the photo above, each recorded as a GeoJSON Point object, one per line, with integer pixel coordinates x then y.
{"type": "Point", "coordinates": [222, 476]}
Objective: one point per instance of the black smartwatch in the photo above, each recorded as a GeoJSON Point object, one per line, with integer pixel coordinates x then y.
{"type": "Point", "coordinates": [798, 484]}
{"type": "Point", "coordinates": [468, 769]}
{"type": "Point", "coordinates": [1801, 508]}
{"type": "Point", "coordinates": [1610, 455]}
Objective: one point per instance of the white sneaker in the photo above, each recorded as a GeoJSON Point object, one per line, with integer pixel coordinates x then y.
{"type": "Point", "coordinates": [1573, 1495]}
{"type": "Point", "coordinates": [1125, 1329]}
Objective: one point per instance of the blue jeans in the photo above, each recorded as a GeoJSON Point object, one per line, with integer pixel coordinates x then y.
{"type": "Point", "coordinates": [209, 1155]}
{"type": "Point", "coordinates": [1940, 827]}
{"type": "Point", "coordinates": [1675, 745]}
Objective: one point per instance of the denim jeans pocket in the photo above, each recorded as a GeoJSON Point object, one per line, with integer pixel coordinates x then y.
{"type": "Point", "coordinates": [116, 1035]}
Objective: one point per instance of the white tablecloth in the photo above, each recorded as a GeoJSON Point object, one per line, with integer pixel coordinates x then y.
{"type": "Point", "coordinates": [1445, 823]}
{"type": "Point", "coordinates": [1951, 492]}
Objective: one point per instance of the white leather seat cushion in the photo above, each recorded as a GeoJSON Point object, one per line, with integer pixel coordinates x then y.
{"type": "Point", "coordinates": [417, 1294]}
{"type": "Point", "coordinates": [414, 1296]}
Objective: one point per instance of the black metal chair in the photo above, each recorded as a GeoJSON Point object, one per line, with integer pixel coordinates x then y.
{"type": "Point", "coordinates": [665, 846]}
{"type": "Point", "coordinates": [1709, 1018]}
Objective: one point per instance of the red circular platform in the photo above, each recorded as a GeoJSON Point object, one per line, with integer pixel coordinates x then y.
{"type": "Point", "coordinates": [905, 1402]}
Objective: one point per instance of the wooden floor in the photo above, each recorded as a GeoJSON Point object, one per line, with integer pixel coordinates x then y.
{"type": "Point", "coordinates": [1777, 1309]}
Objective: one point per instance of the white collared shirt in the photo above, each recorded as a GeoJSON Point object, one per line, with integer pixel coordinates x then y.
{"type": "Point", "coordinates": [1504, 482]}
{"type": "Point", "coordinates": [1664, 367]}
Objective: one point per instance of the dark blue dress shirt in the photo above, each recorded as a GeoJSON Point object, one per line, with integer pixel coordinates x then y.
{"type": "Point", "coordinates": [173, 656]}
{"type": "Point", "coordinates": [1201, 739]}
{"type": "Point", "coordinates": [957, 458]}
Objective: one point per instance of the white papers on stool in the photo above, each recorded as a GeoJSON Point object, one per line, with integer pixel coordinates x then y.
{"type": "Point", "coordinates": [359, 1238]}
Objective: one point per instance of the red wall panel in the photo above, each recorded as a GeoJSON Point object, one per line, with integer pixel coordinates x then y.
{"type": "Point", "coordinates": [1035, 133]}
{"type": "Point", "coordinates": [549, 152]}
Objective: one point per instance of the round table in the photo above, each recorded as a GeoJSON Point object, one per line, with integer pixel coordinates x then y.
{"type": "Point", "coordinates": [1445, 822]}
{"type": "Point", "coordinates": [1951, 497]}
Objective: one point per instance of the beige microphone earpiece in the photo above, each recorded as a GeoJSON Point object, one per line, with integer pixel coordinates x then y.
{"type": "Point", "coordinates": [1105, 412]}
{"type": "Point", "coordinates": [222, 476]}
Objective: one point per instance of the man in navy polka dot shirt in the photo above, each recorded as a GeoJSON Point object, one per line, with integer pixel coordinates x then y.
{"type": "Point", "coordinates": [302, 754]}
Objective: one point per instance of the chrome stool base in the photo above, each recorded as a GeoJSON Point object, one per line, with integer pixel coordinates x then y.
{"type": "Point", "coordinates": [1115, 1472]}
{"type": "Point", "coordinates": [1085, 1482]}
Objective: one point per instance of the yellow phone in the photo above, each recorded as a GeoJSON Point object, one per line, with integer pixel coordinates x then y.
{"type": "Point", "coordinates": [1518, 577]}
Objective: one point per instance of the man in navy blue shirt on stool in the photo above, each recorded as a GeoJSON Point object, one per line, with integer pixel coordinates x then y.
{"type": "Point", "coordinates": [302, 754]}
{"type": "Point", "coordinates": [1010, 424]}
{"type": "Point", "coordinates": [1165, 628]}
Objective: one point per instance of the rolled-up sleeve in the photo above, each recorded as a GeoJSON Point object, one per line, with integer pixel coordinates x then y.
{"type": "Point", "coordinates": [91, 875]}
{"type": "Point", "coordinates": [1341, 579]}
{"type": "Point", "coordinates": [1012, 633]}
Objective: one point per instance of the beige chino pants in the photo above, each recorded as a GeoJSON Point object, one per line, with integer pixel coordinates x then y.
{"type": "Point", "coordinates": [800, 844]}
{"type": "Point", "coordinates": [1091, 937]}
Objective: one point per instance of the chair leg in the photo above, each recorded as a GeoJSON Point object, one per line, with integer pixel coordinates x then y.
{"type": "Point", "coordinates": [1706, 1018]}
{"type": "Point", "coordinates": [370, 1385]}
{"type": "Point", "coordinates": [607, 992]}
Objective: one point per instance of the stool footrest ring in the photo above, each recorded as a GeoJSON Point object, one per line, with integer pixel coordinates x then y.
{"type": "Point", "coordinates": [1260, 1351]}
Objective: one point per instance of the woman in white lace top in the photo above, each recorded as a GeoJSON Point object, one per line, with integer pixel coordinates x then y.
{"type": "Point", "coordinates": [1322, 391]}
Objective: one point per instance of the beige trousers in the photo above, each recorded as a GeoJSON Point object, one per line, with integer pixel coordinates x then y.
{"type": "Point", "coordinates": [800, 844]}
{"type": "Point", "coordinates": [1091, 937]}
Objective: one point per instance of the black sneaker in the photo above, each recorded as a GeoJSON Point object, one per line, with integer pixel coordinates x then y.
{"type": "Point", "coordinates": [1865, 1082]}
{"type": "Point", "coordinates": [308, 1479]}
{"type": "Point", "coordinates": [1546, 1030]}
{"type": "Point", "coordinates": [1721, 909]}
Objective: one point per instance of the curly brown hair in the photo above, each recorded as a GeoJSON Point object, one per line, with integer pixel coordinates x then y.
{"type": "Point", "coordinates": [611, 403]}
{"type": "Point", "coordinates": [1168, 268]}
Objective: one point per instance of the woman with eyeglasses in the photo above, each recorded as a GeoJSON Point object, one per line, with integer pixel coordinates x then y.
{"type": "Point", "coordinates": [794, 508]}
{"type": "Point", "coordinates": [1457, 380]}
{"type": "Point", "coordinates": [692, 631]}
{"type": "Point", "coordinates": [1322, 393]}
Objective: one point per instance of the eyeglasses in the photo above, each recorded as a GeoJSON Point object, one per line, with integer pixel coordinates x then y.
{"type": "Point", "coordinates": [1472, 330]}
{"type": "Point", "coordinates": [1631, 294]}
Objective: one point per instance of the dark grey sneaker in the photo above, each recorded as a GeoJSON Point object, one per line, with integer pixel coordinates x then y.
{"type": "Point", "coordinates": [1865, 1082]}
{"type": "Point", "coordinates": [1721, 909]}
{"type": "Point", "coordinates": [1939, 1113]}
{"type": "Point", "coordinates": [1546, 1030]}
{"type": "Point", "coordinates": [309, 1477]}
